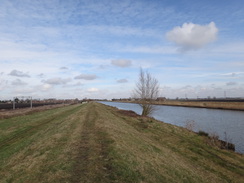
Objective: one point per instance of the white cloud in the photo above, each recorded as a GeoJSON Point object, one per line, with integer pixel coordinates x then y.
{"type": "Point", "coordinates": [93, 90]}
{"type": "Point", "coordinates": [233, 75]}
{"type": "Point", "coordinates": [46, 87]}
{"type": "Point", "coordinates": [49, 54]}
{"type": "Point", "coordinates": [121, 63]}
{"type": "Point", "coordinates": [56, 81]}
{"type": "Point", "coordinates": [204, 91]}
{"type": "Point", "coordinates": [18, 73]}
{"type": "Point", "coordinates": [86, 76]}
{"type": "Point", "coordinates": [122, 81]}
{"type": "Point", "coordinates": [193, 36]}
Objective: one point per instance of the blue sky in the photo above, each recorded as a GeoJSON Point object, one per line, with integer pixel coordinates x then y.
{"type": "Point", "coordinates": [95, 48]}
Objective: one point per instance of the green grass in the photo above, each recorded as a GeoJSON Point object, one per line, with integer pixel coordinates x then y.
{"type": "Point", "coordinates": [97, 143]}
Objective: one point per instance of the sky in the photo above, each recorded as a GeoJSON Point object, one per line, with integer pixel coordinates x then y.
{"type": "Point", "coordinates": [95, 48]}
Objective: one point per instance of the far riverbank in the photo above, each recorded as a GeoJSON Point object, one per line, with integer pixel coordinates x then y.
{"type": "Point", "coordinates": [228, 105]}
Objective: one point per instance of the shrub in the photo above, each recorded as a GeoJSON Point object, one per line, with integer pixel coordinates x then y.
{"type": "Point", "coordinates": [202, 133]}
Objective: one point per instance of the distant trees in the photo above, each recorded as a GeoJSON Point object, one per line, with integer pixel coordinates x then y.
{"type": "Point", "coordinates": [147, 90]}
{"type": "Point", "coordinates": [16, 100]}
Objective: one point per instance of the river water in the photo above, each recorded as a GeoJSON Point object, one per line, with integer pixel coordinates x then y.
{"type": "Point", "coordinates": [227, 124]}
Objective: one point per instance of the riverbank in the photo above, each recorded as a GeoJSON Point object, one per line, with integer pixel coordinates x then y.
{"type": "Point", "coordinates": [97, 143]}
{"type": "Point", "coordinates": [200, 104]}
{"type": "Point", "coordinates": [205, 104]}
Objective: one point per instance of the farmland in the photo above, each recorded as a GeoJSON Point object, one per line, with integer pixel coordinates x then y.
{"type": "Point", "coordinates": [96, 143]}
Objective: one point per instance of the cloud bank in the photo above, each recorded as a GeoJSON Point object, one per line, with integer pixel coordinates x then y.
{"type": "Point", "coordinates": [92, 90]}
{"type": "Point", "coordinates": [86, 76]}
{"type": "Point", "coordinates": [18, 73]}
{"type": "Point", "coordinates": [121, 63]}
{"type": "Point", "coordinates": [193, 36]}
{"type": "Point", "coordinates": [122, 81]}
{"type": "Point", "coordinates": [56, 81]}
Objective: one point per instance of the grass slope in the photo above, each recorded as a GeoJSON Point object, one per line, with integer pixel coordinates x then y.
{"type": "Point", "coordinates": [97, 143]}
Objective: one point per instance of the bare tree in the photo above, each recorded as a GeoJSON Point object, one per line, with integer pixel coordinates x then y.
{"type": "Point", "coordinates": [146, 90]}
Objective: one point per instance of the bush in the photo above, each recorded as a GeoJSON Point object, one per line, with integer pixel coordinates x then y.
{"type": "Point", "coordinates": [202, 133]}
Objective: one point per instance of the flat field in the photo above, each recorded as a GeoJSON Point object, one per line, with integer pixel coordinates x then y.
{"type": "Point", "coordinates": [96, 143]}
{"type": "Point", "coordinates": [7, 113]}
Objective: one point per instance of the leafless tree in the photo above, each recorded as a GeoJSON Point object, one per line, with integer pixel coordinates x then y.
{"type": "Point", "coordinates": [146, 90]}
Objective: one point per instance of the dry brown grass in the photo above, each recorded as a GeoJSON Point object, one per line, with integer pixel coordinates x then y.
{"type": "Point", "coordinates": [166, 153]}
{"type": "Point", "coordinates": [200, 104]}
{"type": "Point", "coordinates": [45, 155]}
{"type": "Point", "coordinates": [8, 113]}
{"type": "Point", "coordinates": [205, 104]}
{"type": "Point", "coordinates": [97, 143]}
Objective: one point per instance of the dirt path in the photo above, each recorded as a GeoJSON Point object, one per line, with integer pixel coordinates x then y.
{"type": "Point", "coordinates": [92, 162]}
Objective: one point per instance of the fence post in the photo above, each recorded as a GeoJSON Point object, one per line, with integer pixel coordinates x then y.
{"type": "Point", "coordinates": [14, 103]}
{"type": "Point", "coordinates": [31, 102]}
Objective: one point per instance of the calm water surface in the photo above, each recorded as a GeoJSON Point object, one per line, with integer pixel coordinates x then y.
{"type": "Point", "coordinates": [227, 124]}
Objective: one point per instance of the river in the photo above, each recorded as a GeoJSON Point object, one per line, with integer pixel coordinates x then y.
{"type": "Point", "coordinates": [227, 124]}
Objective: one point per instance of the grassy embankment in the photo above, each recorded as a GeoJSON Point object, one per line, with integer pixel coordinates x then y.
{"type": "Point", "coordinates": [97, 143]}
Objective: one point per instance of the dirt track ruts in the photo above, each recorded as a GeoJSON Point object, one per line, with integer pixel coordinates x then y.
{"type": "Point", "coordinates": [92, 162]}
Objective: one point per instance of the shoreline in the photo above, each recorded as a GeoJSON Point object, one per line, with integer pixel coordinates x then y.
{"type": "Point", "coordinates": [236, 106]}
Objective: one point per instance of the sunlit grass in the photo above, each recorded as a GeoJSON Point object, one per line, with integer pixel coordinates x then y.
{"type": "Point", "coordinates": [97, 143]}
